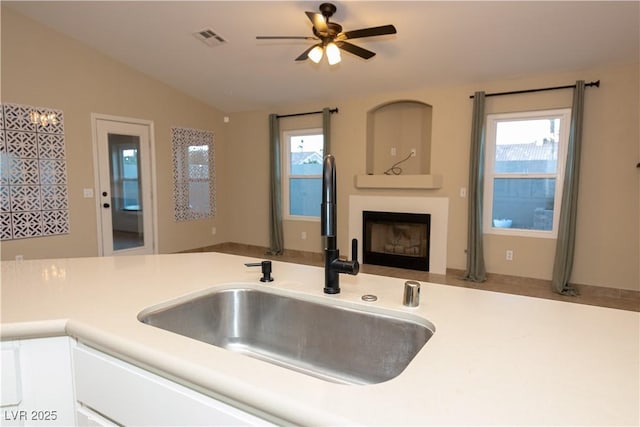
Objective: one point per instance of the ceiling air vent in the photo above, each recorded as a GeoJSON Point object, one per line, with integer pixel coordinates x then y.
{"type": "Point", "coordinates": [209, 37]}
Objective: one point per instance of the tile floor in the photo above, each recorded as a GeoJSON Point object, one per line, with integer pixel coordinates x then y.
{"type": "Point", "coordinates": [590, 295]}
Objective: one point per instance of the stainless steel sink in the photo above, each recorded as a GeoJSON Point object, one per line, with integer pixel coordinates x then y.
{"type": "Point", "coordinates": [329, 341]}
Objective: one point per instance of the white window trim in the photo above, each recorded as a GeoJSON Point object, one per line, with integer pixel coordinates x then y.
{"type": "Point", "coordinates": [489, 175]}
{"type": "Point", "coordinates": [286, 170]}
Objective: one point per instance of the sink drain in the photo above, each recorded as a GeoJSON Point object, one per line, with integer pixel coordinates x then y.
{"type": "Point", "coordinates": [369, 298]}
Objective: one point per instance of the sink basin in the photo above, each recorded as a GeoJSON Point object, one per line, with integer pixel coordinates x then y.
{"type": "Point", "coordinates": [332, 342]}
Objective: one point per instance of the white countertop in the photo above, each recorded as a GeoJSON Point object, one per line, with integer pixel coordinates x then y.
{"type": "Point", "coordinates": [494, 359]}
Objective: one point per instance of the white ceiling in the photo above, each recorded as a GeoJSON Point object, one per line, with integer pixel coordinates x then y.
{"type": "Point", "coordinates": [437, 43]}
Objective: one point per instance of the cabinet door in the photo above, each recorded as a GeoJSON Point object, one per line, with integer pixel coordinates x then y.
{"type": "Point", "coordinates": [37, 374]}
{"type": "Point", "coordinates": [11, 383]}
{"type": "Point", "coordinates": [129, 395]}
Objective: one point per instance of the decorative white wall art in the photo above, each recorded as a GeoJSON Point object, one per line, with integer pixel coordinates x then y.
{"type": "Point", "coordinates": [193, 174]}
{"type": "Point", "coordinates": [33, 174]}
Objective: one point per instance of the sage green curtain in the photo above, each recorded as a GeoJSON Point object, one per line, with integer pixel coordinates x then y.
{"type": "Point", "coordinates": [565, 245]}
{"type": "Point", "coordinates": [326, 130]}
{"type": "Point", "coordinates": [476, 271]}
{"type": "Point", "coordinates": [276, 237]}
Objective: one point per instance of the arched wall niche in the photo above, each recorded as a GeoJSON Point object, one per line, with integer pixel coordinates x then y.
{"type": "Point", "coordinates": [394, 129]}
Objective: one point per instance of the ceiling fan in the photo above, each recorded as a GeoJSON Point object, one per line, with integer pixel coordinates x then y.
{"type": "Point", "coordinates": [332, 38]}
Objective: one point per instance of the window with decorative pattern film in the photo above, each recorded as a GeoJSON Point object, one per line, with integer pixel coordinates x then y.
{"type": "Point", "coordinates": [193, 174]}
{"type": "Point", "coordinates": [33, 172]}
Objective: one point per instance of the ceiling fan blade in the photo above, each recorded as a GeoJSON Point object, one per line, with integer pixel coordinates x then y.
{"type": "Point", "coordinates": [367, 32]}
{"type": "Point", "coordinates": [318, 22]}
{"type": "Point", "coordinates": [286, 38]}
{"type": "Point", "coordinates": [356, 50]}
{"type": "Point", "coordinates": [305, 54]}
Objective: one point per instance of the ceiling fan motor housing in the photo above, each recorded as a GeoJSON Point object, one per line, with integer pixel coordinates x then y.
{"type": "Point", "coordinates": [327, 9]}
{"type": "Point", "coordinates": [333, 30]}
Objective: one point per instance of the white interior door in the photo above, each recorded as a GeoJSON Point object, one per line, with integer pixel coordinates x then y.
{"type": "Point", "coordinates": [124, 187]}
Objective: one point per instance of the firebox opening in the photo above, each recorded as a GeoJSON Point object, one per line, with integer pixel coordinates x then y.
{"type": "Point", "coordinates": [396, 239]}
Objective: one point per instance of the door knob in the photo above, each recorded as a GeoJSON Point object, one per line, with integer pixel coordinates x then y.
{"type": "Point", "coordinates": [106, 205]}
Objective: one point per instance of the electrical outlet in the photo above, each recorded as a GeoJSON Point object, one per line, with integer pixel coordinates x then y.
{"type": "Point", "coordinates": [413, 152]}
{"type": "Point", "coordinates": [303, 235]}
{"type": "Point", "coordinates": [213, 231]}
{"type": "Point", "coordinates": [463, 192]}
{"type": "Point", "coordinates": [393, 151]}
{"type": "Point", "coordinates": [509, 255]}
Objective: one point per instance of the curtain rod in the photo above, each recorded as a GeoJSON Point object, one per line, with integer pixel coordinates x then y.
{"type": "Point", "coordinates": [514, 92]}
{"type": "Point", "coordinates": [333, 110]}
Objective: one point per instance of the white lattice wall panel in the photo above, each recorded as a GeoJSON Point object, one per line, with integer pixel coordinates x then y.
{"type": "Point", "coordinates": [193, 174]}
{"type": "Point", "coordinates": [33, 174]}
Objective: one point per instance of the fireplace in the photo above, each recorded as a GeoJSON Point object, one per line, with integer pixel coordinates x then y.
{"type": "Point", "coordinates": [396, 239]}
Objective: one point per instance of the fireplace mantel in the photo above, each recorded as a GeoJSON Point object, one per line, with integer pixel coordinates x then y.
{"type": "Point", "coordinates": [416, 182]}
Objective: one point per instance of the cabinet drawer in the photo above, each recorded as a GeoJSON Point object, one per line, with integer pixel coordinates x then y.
{"type": "Point", "coordinates": [129, 395]}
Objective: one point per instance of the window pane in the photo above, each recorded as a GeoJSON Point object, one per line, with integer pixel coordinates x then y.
{"type": "Point", "coordinates": [523, 203]}
{"type": "Point", "coordinates": [527, 146]}
{"type": "Point", "coordinates": [199, 172]}
{"type": "Point", "coordinates": [198, 162]}
{"type": "Point", "coordinates": [199, 197]}
{"type": "Point", "coordinates": [199, 202]}
{"type": "Point", "coordinates": [305, 196]}
{"type": "Point", "coordinates": [306, 155]}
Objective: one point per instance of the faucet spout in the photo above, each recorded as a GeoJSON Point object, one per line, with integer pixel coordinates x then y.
{"type": "Point", "coordinates": [328, 224]}
{"type": "Point", "coordinates": [328, 210]}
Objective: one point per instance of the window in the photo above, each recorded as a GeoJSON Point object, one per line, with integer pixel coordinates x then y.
{"type": "Point", "coordinates": [302, 173]}
{"type": "Point", "coordinates": [194, 190]}
{"type": "Point", "coordinates": [199, 178]}
{"type": "Point", "coordinates": [524, 168]}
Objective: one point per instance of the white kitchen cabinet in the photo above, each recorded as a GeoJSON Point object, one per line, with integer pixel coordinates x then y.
{"type": "Point", "coordinates": [128, 395]}
{"type": "Point", "coordinates": [39, 375]}
{"type": "Point", "coordinates": [37, 385]}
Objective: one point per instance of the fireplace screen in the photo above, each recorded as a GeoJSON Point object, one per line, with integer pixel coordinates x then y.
{"type": "Point", "coordinates": [396, 239]}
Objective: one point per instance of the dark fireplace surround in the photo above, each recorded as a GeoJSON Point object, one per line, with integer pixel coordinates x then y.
{"type": "Point", "coordinates": [396, 239]}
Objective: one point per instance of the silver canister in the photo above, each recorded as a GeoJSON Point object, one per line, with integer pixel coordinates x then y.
{"type": "Point", "coordinates": [411, 297]}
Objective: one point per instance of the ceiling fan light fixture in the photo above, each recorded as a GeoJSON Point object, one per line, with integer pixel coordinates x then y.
{"type": "Point", "coordinates": [316, 54]}
{"type": "Point", "coordinates": [329, 37]}
{"type": "Point", "coordinates": [333, 54]}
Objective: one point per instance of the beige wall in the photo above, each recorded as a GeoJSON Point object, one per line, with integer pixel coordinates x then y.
{"type": "Point", "coordinates": [41, 67]}
{"type": "Point", "coordinates": [81, 81]}
{"type": "Point", "coordinates": [607, 246]}
{"type": "Point", "coordinates": [400, 126]}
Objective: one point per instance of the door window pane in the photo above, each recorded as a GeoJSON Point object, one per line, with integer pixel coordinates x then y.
{"type": "Point", "coordinates": [126, 203]}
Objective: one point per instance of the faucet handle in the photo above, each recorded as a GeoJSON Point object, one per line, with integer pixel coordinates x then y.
{"type": "Point", "coordinates": [354, 249]}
